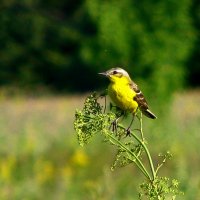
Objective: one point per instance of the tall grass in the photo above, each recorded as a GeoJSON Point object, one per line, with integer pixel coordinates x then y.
{"type": "Point", "coordinates": [41, 159]}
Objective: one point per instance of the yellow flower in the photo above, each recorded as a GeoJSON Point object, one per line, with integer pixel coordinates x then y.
{"type": "Point", "coordinates": [80, 158]}
{"type": "Point", "coordinates": [6, 167]}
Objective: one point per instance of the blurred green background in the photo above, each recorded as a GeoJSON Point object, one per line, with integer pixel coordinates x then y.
{"type": "Point", "coordinates": [50, 55]}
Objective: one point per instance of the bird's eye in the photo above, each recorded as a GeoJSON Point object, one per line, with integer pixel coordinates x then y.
{"type": "Point", "coordinates": [115, 72]}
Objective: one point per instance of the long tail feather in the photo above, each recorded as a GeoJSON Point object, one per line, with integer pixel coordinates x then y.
{"type": "Point", "coordinates": [149, 114]}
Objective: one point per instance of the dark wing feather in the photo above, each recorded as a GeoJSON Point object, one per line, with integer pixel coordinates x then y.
{"type": "Point", "coordinates": [139, 98]}
{"type": "Point", "coordinates": [142, 103]}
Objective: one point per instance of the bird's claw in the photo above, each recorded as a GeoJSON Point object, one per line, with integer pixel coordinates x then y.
{"type": "Point", "coordinates": [128, 132]}
{"type": "Point", "coordinates": [114, 125]}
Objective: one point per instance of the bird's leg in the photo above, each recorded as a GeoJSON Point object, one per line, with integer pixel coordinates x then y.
{"type": "Point", "coordinates": [128, 131]}
{"type": "Point", "coordinates": [114, 123]}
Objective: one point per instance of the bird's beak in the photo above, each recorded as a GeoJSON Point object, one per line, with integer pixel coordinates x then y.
{"type": "Point", "coordinates": [103, 73]}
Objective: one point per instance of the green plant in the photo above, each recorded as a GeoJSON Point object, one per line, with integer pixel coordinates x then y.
{"type": "Point", "coordinates": [93, 119]}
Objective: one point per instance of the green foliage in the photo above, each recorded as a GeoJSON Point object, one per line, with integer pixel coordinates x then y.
{"type": "Point", "coordinates": [193, 61]}
{"type": "Point", "coordinates": [93, 119]}
{"type": "Point", "coordinates": [40, 43]}
{"type": "Point", "coordinates": [161, 188]}
{"type": "Point", "coordinates": [142, 36]}
{"type": "Point", "coordinates": [61, 44]}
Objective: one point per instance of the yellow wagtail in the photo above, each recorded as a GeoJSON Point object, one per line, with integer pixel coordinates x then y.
{"type": "Point", "coordinates": [125, 93]}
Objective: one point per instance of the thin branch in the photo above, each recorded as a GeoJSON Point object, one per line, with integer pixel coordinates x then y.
{"type": "Point", "coordinates": [138, 163]}
{"type": "Point", "coordinates": [159, 166]}
{"type": "Point", "coordinates": [146, 150]}
{"type": "Point", "coordinates": [141, 129]}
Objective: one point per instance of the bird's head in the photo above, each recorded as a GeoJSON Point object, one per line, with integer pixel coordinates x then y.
{"type": "Point", "coordinates": [116, 74]}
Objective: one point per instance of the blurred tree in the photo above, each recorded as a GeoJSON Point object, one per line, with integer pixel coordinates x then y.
{"type": "Point", "coordinates": [193, 64]}
{"type": "Point", "coordinates": [63, 44]}
{"type": "Point", "coordinates": [40, 43]}
{"type": "Point", "coordinates": [152, 38]}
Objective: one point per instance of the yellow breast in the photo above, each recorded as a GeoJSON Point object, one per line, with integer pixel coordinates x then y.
{"type": "Point", "coordinates": [123, 96]}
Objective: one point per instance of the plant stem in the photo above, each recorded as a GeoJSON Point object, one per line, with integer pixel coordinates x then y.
{"type": "Point", "coordinates": [159, 166]}
{"type": "Point", "coordinates": [141, 129]}
{"type": "Point", "coordinates": [138, 163]}
{"type": "Point", "coordinates": [147, 153]}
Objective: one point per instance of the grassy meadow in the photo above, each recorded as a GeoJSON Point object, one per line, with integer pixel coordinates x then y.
{"type": "Point", "coordinates": [40, 157]}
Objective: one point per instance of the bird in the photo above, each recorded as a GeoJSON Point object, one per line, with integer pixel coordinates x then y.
{"type": "Point", "coordinates": [125, 93]}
